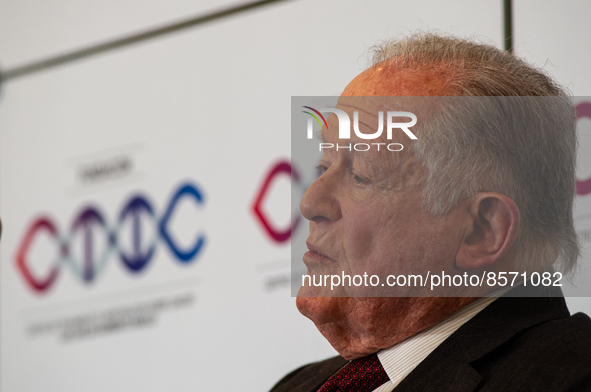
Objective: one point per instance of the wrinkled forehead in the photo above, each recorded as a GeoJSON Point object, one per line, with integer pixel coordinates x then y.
{"type": "Point", "coordinates": [387, 87]}
{"type": "Point", "coordinates": [385, 119]}
{"type": "Point", "coordinates": [371, 111]}
{"type": "Point", "coordinates": [380, 154]}
{"type": "Point", "coordinates": [393, 150]}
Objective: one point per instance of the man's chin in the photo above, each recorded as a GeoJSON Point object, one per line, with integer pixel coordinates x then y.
{"type": "Point", "coordinates": [327, 315]}
{"type": "Point", "coordinates": [318, 309]}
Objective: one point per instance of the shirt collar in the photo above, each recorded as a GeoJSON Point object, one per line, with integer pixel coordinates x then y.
{"type": "Point", "coordinates": [401, 359]}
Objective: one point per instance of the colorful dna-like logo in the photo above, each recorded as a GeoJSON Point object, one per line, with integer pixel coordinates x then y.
{"type": "Point", "coordinates": [136, 260]}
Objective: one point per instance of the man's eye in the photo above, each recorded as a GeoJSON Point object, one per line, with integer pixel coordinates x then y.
{"type": "Point", "coordinates": [360, 180]}
{"type": "Point", "coordinates": [320, 169]}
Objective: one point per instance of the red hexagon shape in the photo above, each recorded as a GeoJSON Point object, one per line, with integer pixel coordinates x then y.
{"type": "Point", "coordinates": [277, 235]}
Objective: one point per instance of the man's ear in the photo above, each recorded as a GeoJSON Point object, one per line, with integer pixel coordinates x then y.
{"type": "Point", "coordinates": [492, 225]}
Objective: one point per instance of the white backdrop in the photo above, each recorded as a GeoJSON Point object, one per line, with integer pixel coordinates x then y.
{"type": "Point", "coordinates": [210, 107]}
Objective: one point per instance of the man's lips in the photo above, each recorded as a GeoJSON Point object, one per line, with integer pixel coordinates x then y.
{"type": "Point", "coordinates": [314, 253]}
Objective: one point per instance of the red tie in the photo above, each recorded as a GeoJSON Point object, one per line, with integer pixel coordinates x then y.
{"type": "Point", "coordinates": [361, 375]}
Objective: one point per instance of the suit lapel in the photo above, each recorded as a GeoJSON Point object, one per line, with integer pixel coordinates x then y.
{"type": "Point", "coordinates": [445, 369]}
{"type": "Point", "coordinates": [448, 367]}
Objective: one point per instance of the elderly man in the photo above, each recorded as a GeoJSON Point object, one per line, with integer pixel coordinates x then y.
{"type": "Point", "coordinates": [467, 195]}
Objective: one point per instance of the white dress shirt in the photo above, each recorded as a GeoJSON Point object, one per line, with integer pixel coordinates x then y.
{"type": "Point", "coordinates": [401, 359]}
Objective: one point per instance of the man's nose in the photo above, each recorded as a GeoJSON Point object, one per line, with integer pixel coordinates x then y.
{"type": "Point", "coordinates": [321, 200]}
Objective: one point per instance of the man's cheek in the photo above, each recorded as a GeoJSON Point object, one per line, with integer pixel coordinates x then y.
{"type": "Point", "coordinates": [359, 237]}
{"type": "Point", "coordinates": [367, 252]}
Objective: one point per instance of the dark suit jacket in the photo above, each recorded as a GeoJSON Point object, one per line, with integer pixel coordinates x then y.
{"type": "Point", "coordinates": [514, 344]}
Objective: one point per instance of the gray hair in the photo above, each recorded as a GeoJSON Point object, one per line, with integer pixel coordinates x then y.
{"type": "Point", "coordinates": [515, 135]}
